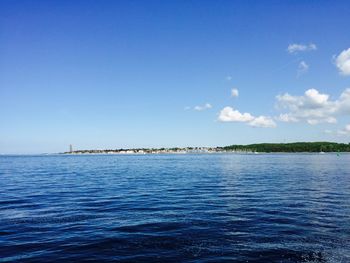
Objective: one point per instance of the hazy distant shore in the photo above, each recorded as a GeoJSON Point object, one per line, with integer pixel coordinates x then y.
{"type": "Point", "coordinates": [296, 147]}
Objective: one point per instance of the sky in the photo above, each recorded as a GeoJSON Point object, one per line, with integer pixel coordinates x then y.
{"type": "Point", "coordinates": [129, 74]}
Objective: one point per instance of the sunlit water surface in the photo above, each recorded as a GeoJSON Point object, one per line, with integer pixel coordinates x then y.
{"type": "Point", "coordinates": [172, 208]}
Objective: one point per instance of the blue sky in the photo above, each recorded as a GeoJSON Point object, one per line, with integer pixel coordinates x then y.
{"type": "Point", "coordinates": [113, 74]}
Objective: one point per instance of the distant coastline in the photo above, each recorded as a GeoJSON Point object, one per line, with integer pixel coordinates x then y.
{"type": "Point", "coordinates": [296, 147]}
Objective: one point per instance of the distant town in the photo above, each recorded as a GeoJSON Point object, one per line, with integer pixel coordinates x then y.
{"type": "Point", "coordinates": [320, 147]}
{"type": "Point", "coordinates": [152, 150]}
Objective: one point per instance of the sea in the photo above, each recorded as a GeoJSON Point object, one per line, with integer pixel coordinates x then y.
{"type": "Point", "coordinates": [175, 208]}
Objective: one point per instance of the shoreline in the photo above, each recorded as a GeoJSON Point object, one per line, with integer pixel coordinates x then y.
{"type": "Point", "coordinates": [295, 147]}
{"type": "Point", "coordinates": [206, 153]}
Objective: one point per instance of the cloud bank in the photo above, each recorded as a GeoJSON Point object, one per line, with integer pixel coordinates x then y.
{"type": "Point", "coordinates": [313, 107]}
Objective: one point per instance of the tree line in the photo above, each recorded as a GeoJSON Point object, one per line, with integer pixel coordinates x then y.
{"type": "Point", "coordinates": [292, 147]}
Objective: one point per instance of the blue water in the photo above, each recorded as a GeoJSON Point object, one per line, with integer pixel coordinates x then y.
{"type": "Point", "coordinates": [175, 208]}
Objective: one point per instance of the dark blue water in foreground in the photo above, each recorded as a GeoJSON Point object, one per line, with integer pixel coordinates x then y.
{"type": "Point", "coordinates": [175, 208]}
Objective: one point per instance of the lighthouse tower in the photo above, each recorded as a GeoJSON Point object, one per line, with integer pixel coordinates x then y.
{"type": "Point", "coordinates": [70, 148]}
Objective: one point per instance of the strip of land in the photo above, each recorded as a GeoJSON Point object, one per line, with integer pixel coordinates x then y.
{"type": "Point", "coordinates": [250, 148]}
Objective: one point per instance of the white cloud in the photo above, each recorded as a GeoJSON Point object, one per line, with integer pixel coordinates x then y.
{"type": "Point", "coordinates": [287, 118]}
{"type": "Point", "coordinates": [263, 122]}
{"type": "Point", "coordinates": [302, 68]}
{"type": "Point", "coordinates": [343, 104]}
{"type": "Point", "coordinates": [342, 61]}
{"type": "Point", "coordinates": [228, 78]}
{"type": "Point", "coordinates": [316, 98]}
{"type": "Point", "coordinates": [203, 107]}
{"type": "Point", "coordinates": [330, 120]}
{"type": "Point", "coordinates": [295, 48]}
{"type": "Point", "coordinates": [347, 128]}
{"type": "Point", "coordinates": [234, 93]}
{"type": "Point", "coordinates": [313, 107]}
{"type": "Point", "coordinates": [228, 114]}
{"type": "Point", "coordinates": [342, 132]}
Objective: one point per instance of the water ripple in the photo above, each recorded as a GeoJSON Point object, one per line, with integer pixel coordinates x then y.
{"type": "Point", "coordinates": [171, 208]}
